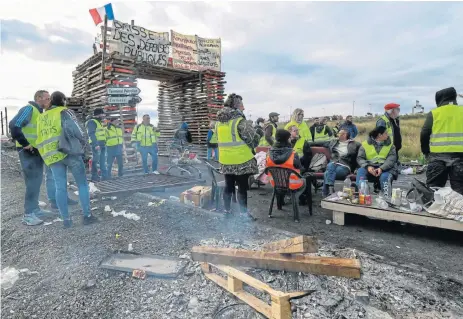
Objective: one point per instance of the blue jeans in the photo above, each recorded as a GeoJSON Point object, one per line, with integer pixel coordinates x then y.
{"type": "Point", "coordinates": [32, 167]}
{"type": "Point", "coordinates": [99, 159]}
{"type": "Point", "coordinates": [335, 172]}
{"type": "Point", "coordinates": [77, 167]}
{"type": "Point", "coordinates": [385, 180]}
{"type": "Point", "coordinates": [216, 153]}
{"type": "Point", "coordinates": [115, 152]}
{"type": "Point", "coordinates": [153, 151]}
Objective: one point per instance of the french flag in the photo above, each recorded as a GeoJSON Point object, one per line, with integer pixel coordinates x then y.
{"type": "Point", "coordinates": [99, 13]}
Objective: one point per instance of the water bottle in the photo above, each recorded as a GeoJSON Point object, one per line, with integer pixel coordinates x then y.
{"type": "Point", "coordinates": [346, 188]}
{"type": "Point", "coordinates": [362, 191]}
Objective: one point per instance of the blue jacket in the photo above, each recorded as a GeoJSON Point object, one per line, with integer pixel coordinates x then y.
{"type": "Point", "coordinates": [91, 129]}
{"type": "Point", "coordinates": [20, 120]}
{"type": "Point", "coordinates": [352, 128]}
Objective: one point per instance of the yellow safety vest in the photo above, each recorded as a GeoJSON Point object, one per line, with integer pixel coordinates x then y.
{"type": "Point", "coordinates": [232, 149]}
{"type": "Point", "coordinates": [322, 136]}
{"type": "Point", "coordinates": [388, 126]}
{"type": "Point", "coordinates": [30, 130]}
{"type": "Point", "coordinates": [373, 156]}
{"type": "Point", "coordinates": [114, 136]}
{"type": "Point", "coordinates": [213, 139]}
{"type": "Point", "coordinates": [304, 130]}
{"type": "Point", "coordinates": [447, 129]}
{"type": "Point", "coordinates": [144, 134]}
{"type": "Point", "coordinates": [100, 133]}
{"type": "Point", "coordinates": [299, 146]}
{"type": "Point", "coordinates": [263, 141]}
{"type": "Point", "coordinates": [48, 134]}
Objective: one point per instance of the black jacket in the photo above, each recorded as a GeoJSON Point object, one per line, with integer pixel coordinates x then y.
{"type": "Point", "coordinates": [397, 136]}
{"type": "Point", "coordinates": [280, 153]}
{"type": "Point", "coordinates": [426, 131]}
{"type": "Point", "coordinates": [268, 132]}
{"type": "Point", "coordinates": [352, 151]}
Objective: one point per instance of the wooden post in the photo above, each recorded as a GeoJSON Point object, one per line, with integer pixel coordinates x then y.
{"type": "Point", "coordinates": [124, 150]}
{"type": "Point", "coordinates": [105, 31]}
{"type": "Point", "coordinates": [1, 116]}
{"type": "Point", "coordinates": [6, 122]}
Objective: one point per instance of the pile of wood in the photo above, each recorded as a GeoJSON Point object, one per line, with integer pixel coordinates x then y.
{"type": "Point", "coordinates": [287, 255]}
{"type": "Point", "coordinates": [195, 100]}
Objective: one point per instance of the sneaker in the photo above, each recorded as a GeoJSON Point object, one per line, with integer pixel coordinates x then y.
{"type": "Point", "coordinates": [88, 220]}
{"type": "Point", "coordinates": [156, 173]}
{"type": "Point", "coordinates": [40, 213]}
{"type": "Point", "coordinates": [67, 223]}
{"type": "Point", "coordinates": [31, 220]}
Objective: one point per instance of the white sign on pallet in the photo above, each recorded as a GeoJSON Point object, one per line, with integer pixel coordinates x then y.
{"type": "Point", "coordinates": [123, 99]}
{"type": "Point", "coordinates": [123, 91]}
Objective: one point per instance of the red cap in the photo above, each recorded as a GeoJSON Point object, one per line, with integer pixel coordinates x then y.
{"type": "Point", "coordinates": [391, 106]}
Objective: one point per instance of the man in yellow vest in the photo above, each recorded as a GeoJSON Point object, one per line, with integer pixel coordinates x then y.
{"type": "Point", "coordinates": [377, 159]}
{"type": "Point", "coordinates": [270, 129]}
{"type": "Point", "coordinates": [144, 139]}
{"type": "Point", "coordinates": [114, 145]}
{"type": "Point", "coordinates": [97, 139]}
{"type": "Point", "coordinates": [390, 120]}
{"type": "Point", "coordinates": [23, 129]}
{"type": "Point", "coordinates": [297, 118]}
{"type": "Point", "coordinates": [320, 131]}
{"type": "Point", "coordinates": [442, 141]}
{"type": "Point", "coordinates": [61, 142]}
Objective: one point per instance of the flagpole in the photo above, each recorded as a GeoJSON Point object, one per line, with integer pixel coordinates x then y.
{"type": "Point", "coordinates": [105, 31]}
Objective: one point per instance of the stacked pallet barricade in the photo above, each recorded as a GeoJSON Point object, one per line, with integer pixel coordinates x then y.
{"type": "Point", "coordinates": [195, 100]}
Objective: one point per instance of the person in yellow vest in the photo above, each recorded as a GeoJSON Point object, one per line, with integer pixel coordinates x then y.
{"type": "Point", "coordinates": [283, 155]}
{"type": "Point", "coordinates": [320, 131]}
{"type": "Point", "coordinates": [61, 143]}
{"type": "Point", "coordinates": [297, 118]}
{"type": "Point", "coordinates": [144, 139]}
{"type": "Point", "coordinates": [301, 147]}
{"type": "Point", "coordinates": [236, 139]}
{"type": "Point", "coordinates": [442, 141]}
{"type": "Point", "coordinates": [114, 145]}
{"type": "Point", "coordinates": [270, 129]}
{"type": "Point", "coordinates": [97, 139]}
{"type": "Point", "coordinates": [212, 142]}
{"type": "Point", "coordinates": [377, 159]}
{"type": "Point", "coordinates": [23, 129]}
{"type": "Point", "coordinates": [390, 120]}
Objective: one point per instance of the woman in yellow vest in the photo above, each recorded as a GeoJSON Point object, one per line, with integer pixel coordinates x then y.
{"type": "Point", "coordinates": [61, 142]}
{"type": "Point", "coordinates": [297, 118]}
{"type": "Point", "coordinates": [377, 158]}
{"type": "Point", "coordinates": [301, 147]}
{"type": "Point", "coordinates": [237, 139]}
{"type": "Point", "coordinates": [114, 145]}
{"type": "Point", "coordinates": [212, 142]}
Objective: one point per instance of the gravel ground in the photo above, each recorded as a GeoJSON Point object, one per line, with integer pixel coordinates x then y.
{"type": "Point", "coordinates": [421, 279]}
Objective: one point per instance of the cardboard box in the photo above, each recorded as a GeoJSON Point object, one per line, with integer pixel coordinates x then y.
{"type": "Point", "coordinates": [198, 196]}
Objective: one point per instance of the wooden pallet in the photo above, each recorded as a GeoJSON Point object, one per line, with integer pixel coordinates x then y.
{"type": "Point", "coordinates": [280, 307]}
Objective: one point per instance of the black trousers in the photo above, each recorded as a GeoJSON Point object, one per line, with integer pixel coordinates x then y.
{"type": "Point", "coordinates": [439, 171]}
{"type": "Point", "coordinates": [242, 182]}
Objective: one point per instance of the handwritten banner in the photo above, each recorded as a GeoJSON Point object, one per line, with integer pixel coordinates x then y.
{"type": "Point", "coordinates": [184, 51]}
{"type": "Point", "coordinates": [140, 43]}
{"type": "Point", "coordinates": [209, 53]}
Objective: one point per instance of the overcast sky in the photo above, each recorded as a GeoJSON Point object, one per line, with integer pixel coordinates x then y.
{"type": "Point", "coordinates": [278, 55]}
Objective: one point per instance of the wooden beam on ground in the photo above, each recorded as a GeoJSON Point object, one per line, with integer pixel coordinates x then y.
{"type": "Point", "coordinates": [299, 244]}
{"type": "Point", "coordinates": [329, 266]}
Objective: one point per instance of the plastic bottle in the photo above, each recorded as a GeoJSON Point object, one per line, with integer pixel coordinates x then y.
{"type": "Point", "coordinates": [362, 191]}
{"type": "Point", "coordinates": [346, 188]}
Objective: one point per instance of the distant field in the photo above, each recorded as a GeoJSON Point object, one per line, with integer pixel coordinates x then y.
{"type": "Point", "coordinates": [410, 126]}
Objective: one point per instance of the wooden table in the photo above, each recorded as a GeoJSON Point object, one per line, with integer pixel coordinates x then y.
{"type": "Point", "coordinates": [342, 207]}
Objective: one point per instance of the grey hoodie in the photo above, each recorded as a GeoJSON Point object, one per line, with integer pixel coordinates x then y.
{"type": "Point", "coordinates": [391, 159]}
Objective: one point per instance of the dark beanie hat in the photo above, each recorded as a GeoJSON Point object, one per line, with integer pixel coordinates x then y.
{"type": "Point", "coordinates": [98, 111]}
{"type": "Point", "coordinates": [282, 135]}
{"type": "Point", "coordinates": [445, 96]}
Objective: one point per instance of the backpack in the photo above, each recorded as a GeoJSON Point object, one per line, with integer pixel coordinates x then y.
{"type": "Point", "coordinates": [421, 193]}
{"type": "Point", "coordinates": [318, 162]}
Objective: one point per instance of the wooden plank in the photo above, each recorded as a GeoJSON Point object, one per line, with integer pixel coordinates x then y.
{"type": "Point", "coordinates": [299, 244]}
{"type": "Point", "coordinates": [423, 219]}
{"type": "Point", "coordinates": [329, 266]}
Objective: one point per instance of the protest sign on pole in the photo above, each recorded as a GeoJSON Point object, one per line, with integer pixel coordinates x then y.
{"type": "Point", "coordinates": [209, 53]}
{"type": "Point", "coordinates": [184, 51]}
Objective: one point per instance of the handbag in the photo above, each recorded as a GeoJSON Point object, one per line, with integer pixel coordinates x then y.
{"type": "Point", "coordinates": [422, 193]}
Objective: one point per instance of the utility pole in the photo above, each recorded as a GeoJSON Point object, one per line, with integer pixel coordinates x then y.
{"type": "Point", "coordinates": [353, 108]}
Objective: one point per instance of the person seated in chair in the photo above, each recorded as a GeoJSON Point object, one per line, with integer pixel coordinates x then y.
{"type": "Point", "coordinates": [301, 147]}
{"type": "Point", "coordinates": [377, 159]}
{"type": "Point", "coordinates": [343, 160]}
{"type": "Point", "coordinates": [282, 155]}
